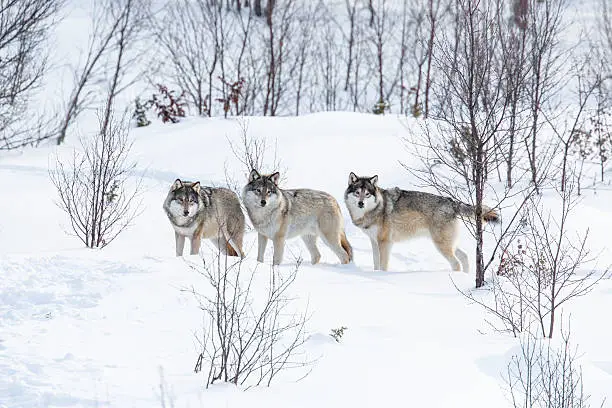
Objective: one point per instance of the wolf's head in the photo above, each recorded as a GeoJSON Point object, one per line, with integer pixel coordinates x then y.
{"type": "Point", "coordinates": [362, 192]}
{"type": "Point", "coordinates": [185, 198]}
{"type": "Point", "coordinates": [262, 189]}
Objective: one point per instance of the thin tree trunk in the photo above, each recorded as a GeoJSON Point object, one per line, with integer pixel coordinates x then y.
{"type": "Point", "coordinates": [432, 34]}
{"type": "Point", "coordinates": [372, 12]}
{"type": "Point", "coordinates": [271, 73]}
{"type": "Point", "coordinates": [351, 41]}
{"type": "Point", "coordinates": [92, 61]}
{"type": "Point", "coordinates": [480, 278]}
{"type": "Point", "coordinates": [269, 11]}
{"type": "Point", "coordinates": [121, 44]}
{"type": "Point", "coordinates": [381, 92]}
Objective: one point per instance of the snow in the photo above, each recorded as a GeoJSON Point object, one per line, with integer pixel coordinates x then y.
{"type": "Point", "coordinates": [118, 327]}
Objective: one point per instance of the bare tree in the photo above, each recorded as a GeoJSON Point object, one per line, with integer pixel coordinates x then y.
{"type": "Point", "coordinates": [356, 81]}
{"type": "Point", "coordinates": [582, 148]}
{"type": "Point", "coordinates": [196, 39]}
{"type": "Point", "coordinates": [351, 9]}
{"type": "Point", "coordinates": [255, 153]}
{"type": "Point", "coordinates": [24, 25]}
{"type": "Point", "coordinates": [382, 26]}
{"type": "Point", "coordinates": [257, 8]}
{"type": "Point", "coordinates": [248, 80]}
{"type": "Point", "coordinates": [372, 11]}
{"type": "Point", "coordinates": [543, 376]}
{"type": "Point", "coordinates": [248, 342]}
{"type": "Point", "coordinates": [544, 56]}
{"type": "Point", "coordinates": [304, 44]}
{"type": "Point", "coordinates": [606, 31]}
{"type": "Point", "coordinates": [540, 269]}
{"type": "Point", "coordinates": [434, 11]}
{"type": "Point", "coordinates": [93, 186]}
{"type": "Point", "coordinates": [418, 57]}
{"type": "Point", "coordinates": [269, 11]}
{"type": "Point", "coordinates": [282, 25]}
{"type": "Point", "coordinates": [566, 136]}
{"type": "Point", "coordinates": [601, 128]}
{"type": "Point", "coordinates": [472, 82]}
{"type": "Point", "coordinates": [328, 56]}
{"type": "Point", "coordinates": [129, 14]}
{"type": "Point", "coordinates": [514, 55]}
{"type": "Point", "coordinates": [426, 17]}
{"type": "Point", "coordinates": [116, 26]}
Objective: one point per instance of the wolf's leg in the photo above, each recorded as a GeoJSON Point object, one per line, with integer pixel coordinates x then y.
{"type": "Point", "coordinates": [179, 243]}
{"type": "Point", "coordinates": [375, 253]}
{"type": "Point", "coordinates": [262, 241]}
{"type": "Point", "coordinates": [446, 248]}
{"type": "Point", "coordinates": [311, 244]}
{"type": "Point", "coordinates": [279, 248]}
{"type": "Point", "coordinates": [236, 248]}
{"type": "Point", "coordinates": [231, 243]}
{"type": "Point", "coordinates": [384, 247]}
{"type": "Point", "coordinates": [218, 243]}
{"type": "Point", "coordinates": [463, 258]}
{"type": "Point", "coordinates": [195, 244]}
{"type": "Point", "coordinates": [333, 242]}
{"type": "Point", "coordinates": [224, 246]}
{"type": "Point", "coordinates": [236, 243]}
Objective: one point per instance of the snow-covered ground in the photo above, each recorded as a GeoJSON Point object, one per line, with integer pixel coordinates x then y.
{"type": "Point", "coordinates": [115, 327]}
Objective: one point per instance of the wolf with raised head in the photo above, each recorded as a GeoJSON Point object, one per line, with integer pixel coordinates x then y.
{"type": "Point", "coordinates": [279, 214]}
{"type": "Point", "coordinates": [394, 215]}
{"type": "Point", "coordinates": [197, 213]}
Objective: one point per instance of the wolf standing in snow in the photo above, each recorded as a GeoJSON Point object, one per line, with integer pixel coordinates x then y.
{"type": "Point", "coordinates": [394, 215]}
{"type": "Point", "coordinates": [279, 214]}
{"type": "Point", "coordinates": [200, 213]}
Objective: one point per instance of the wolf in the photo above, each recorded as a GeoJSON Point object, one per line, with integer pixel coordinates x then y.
{"type": "Point", "coordinates": [279, 215]}
{"type": "Point", "coordinates": [394, 215]}
{"type": "Point", "coordinates": [200, 213]}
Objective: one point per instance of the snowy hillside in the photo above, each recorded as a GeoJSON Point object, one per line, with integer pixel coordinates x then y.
{"type": "Point", "coordinates": [512, 96]}
{"type": "Point", "coordinates": [118, 327]}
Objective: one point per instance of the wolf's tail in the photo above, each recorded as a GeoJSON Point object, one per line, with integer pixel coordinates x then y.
{"type": "Point", "coordinates": [488, 214]}
{"type": "Point", "coordinates": [346, 246]}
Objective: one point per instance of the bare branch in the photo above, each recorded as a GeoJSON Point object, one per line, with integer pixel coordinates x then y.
{"type": "Point", "coordinates": [93, 188]}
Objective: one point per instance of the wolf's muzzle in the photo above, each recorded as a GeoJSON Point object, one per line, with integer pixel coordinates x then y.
{"type": "Point", "coordinates": [263, 203]}
{"type": "Point", "coordinates": [185, 212]}
{"type": "Point", "coordinates": [360, 204]}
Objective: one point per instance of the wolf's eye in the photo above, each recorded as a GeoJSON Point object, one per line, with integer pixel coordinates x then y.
{"type": "Point", "coordinates": [357, 193]}
{"type": "Point", "coordinates": [258, 191]}
{"type": "Point", "coordinates": [367, 194]}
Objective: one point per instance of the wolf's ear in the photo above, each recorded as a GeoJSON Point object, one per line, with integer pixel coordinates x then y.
{"type": "Point", "coordinates": [177, 184]}
{"type": "Point", "coordinates": [254, 175]}
{"type": "Point", "coordinates": [274, 177]}
{"type": "Point", "coordinates": [374, 180]}
{"type": "Point", "coordinates": [196, 187]}
{"type": "Point", "coordinates": [353, 178]}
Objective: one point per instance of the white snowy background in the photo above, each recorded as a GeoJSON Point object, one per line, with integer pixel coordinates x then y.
{"type": "Point", "coordinates": [118, 327]}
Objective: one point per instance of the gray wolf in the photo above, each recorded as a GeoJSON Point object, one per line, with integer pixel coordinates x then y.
{"type": "Point", "coordinates": [198, 213]}
{"type": "Point", "coordinates": [279, 215]}
{"type": "Point", "coordinates": [394, 215]}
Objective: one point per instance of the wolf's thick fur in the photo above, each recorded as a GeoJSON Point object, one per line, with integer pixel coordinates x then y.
{"type": "Point", "coordinates": [279, 215]}
{"type": "Point", "coordinates": [205, 213]}
{"type": "Point", "coordinates": [394, 215]}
